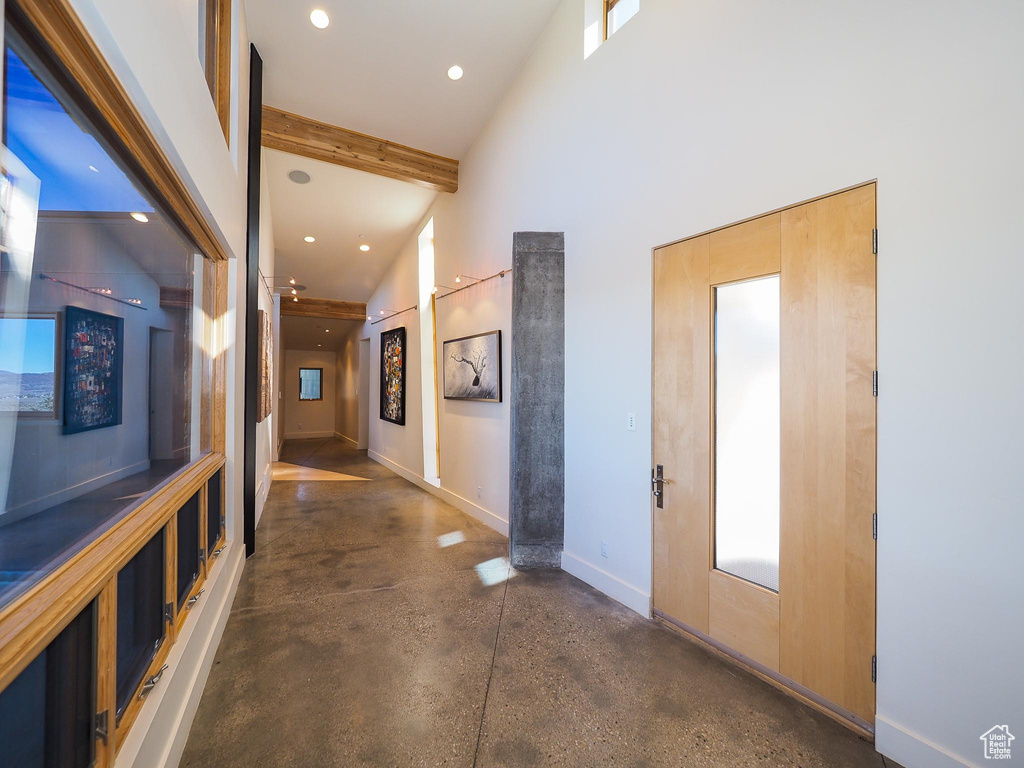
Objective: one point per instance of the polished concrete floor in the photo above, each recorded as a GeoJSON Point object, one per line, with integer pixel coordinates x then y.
{"type": "Point", "coordinates": [379, 626]}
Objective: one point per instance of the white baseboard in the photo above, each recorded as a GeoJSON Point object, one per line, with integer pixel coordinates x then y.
{"type": "Point", "coordinates": [308, 435]}
{"type": "Point", "coordinates": [614, 587]}
{"type": "Point", "coordinates": [158, 736]}
{"type": "Point", "coordinates": [263, 491]}
{"type": "Point", "coordinates": [485, 516]}
{"type": "Point", "coordinates": [347, 439]}
{"type": "Point", "coordinates": [911, 751]}
{"type": "Point", "coordinates": [28, 508]}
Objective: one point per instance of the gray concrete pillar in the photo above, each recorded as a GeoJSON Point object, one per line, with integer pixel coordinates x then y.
{"type": "Point", "coordinates": [537, 456]}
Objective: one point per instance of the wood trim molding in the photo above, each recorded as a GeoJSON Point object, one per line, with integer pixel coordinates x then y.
{"type": "Point", "coordinates": [304, 136]}
{"type": "Point", "coordinates": [222, 86]}
{"type": "Point", "coordinates": [58, 26]}
{"type": "Point", "coordinates": [338, 310]}
{"type": "Point", "coordinates": [32, 620]}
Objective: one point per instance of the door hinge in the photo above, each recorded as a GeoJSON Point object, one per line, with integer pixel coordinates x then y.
{"type": "Point", "coordinates": [103, 725]}
{"type": "Point", "coordinates": [874, 669]}
{"type": "Point", "coordinates": [874, 383]}
{"type": "Point", "coordinates": [169, 613]}
{"type": "Point", "coordinates": [874, 241]}
{"type": "Point", "coordinates": [874, 525]}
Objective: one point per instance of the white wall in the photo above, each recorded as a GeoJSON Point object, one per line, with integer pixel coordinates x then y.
{"type": "Point", "coordinates": [346, 388]}
{"type": "Point", "coordinates": [265, 430]}
{"type": "Point", "coordinates": [308, 418]}
{"type": "Point", "coordinates": [698, 114]}
{"type": "Point", "coordinates": [400, 445]}
{"type": "Point", "coordinates": [152, 49]}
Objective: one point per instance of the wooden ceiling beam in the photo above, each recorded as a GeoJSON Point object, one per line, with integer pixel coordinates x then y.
{"type": "Point", "coordinates": [303, 136]}
{"type": "Point", "coordinates": [326, 308]}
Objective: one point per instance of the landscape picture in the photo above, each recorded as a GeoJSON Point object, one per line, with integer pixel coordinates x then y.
{"type": "Point", "coordinates": [392, 376]}
{"type": "Point", "coordinates": [472, 368]}
{"type": "Point", "coordinates": [27, 365]}
{"type": "Point", "coordinates": [93, 361]}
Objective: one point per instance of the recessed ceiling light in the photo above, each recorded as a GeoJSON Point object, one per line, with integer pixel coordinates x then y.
{"type": "Point", "coordinates": [309, 239]}
{"type": "Point", "coordinates": [291, 280]}
{"type": "Point", "coordinates": [319, 345]}
{"type": "Point", "coordinates": [368, 317]}
{"type": "Point", "coordinates": [455, 72]}
{"type": "Point", "coordinates": [94, 169]}
{"type": "Point", "coordinates": [327, 330]}
{"type": "Point", "coordinates": [364, 247]}
{"type": "Point", "coordinates": [299, 177]}
{"type": "Point", "coordinates": [140, 217]}
{"type": "Point", "coordinates": [320, 18]}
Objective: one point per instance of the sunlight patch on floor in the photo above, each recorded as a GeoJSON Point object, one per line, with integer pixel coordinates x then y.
{"type": "Point", "coordinates": [494, 571]}
{"type": "Point", "coordinates": [293, 472]}
{"type": "Point", "coordinates": [450, 539]}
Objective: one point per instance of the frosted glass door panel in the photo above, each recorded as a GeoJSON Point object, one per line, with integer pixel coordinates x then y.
{"type": "Point", "coordinates": [747, 430]}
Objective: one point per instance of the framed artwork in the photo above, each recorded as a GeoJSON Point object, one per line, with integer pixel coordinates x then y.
{"type": "Point", "coordinates": [266, 347]}
{"type": "Point", "coordinates": [392, 376]}
{"type": "Point", "coordinates": [472, 368]}
{"type": "Point", "coordinates": [93, 364]}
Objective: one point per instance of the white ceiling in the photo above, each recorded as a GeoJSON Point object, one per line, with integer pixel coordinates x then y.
{"type": "Point", "coordinates": [381, 66]}
{"type": "Point", "coordinates": [335, 207]}
{"type": "Point", "coordinates": [314, 333]}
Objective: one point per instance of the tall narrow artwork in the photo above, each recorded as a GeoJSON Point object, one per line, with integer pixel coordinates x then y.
{"type": "Point", "coordinates": [266, 347]}
{"type": "Point", "coordinates": [93, 363]}
{"type": "Point", "coordinates": [472, 368]}
{"type": "Point", "coordinates": [392, 376]}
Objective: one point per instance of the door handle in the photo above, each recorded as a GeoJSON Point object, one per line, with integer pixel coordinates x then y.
{"type": "Point", "coordinates": [658, 483]}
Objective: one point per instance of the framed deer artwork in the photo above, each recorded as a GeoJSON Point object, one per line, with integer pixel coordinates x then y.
{"type": "Point", "coordinates": [472, 368]}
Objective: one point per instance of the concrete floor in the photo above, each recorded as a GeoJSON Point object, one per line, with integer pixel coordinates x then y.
{"type": "Point", "coordinates": [357, 640]}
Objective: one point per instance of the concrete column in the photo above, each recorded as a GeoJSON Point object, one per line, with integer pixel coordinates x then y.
{"type": "Point", "coordinates": [537, 455]}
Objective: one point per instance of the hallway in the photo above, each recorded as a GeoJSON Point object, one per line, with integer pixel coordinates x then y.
{"type": "Point", "coordinates": [377, 625]}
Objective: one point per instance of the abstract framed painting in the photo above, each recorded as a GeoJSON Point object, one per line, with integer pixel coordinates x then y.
{"type": "Point", "coordinates": [472, 368]}
{"type": "Point", "coordinates": [392, 376]}
{"type": "Point", "coordinates": [93, 364]}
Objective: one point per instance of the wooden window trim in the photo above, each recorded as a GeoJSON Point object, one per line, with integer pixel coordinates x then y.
{"type": "Point", "coordinates": [311, 399]}
{"type": "Point", "coordinates": [217, 56]}
{"type": "Point", "coordinates": [608, 5]}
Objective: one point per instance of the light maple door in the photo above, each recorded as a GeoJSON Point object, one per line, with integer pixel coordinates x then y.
{"type": "Point", "coordinates": [764, 432]}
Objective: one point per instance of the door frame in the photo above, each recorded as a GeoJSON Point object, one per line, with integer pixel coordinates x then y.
{"type": "Point", "coordinates": [846, 718]}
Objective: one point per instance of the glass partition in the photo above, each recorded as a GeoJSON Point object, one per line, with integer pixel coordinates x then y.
{"type": "Point", "coordinates": [747, 453]}
{"type": "Point", "coordinates": [101, 364]}
{"type": "Point", "coordinates": [188, 548]}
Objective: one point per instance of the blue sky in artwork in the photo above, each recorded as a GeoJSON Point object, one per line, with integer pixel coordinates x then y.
{"type": "Point", "coordinates": [38, 354]}
{"type": "Point", "coordinates": [60, 151]}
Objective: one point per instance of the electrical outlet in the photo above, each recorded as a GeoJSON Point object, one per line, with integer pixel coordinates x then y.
{"type": "Point", "coordinates": [479, 492]}
{"type": "Point", "coordinates": [631, 422]}
{"type": "Point", "coordinates": [604, 549]}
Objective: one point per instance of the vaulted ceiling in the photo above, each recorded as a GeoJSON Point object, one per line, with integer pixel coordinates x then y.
{"type": "Point", "coordinates": [381, 66]}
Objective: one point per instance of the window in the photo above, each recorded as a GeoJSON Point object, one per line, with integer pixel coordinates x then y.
{"type": "Point", "coordinates": [100, 294]}
{"type": "Point", "coordinates": [140, 618]}
{"type": "Point", "coordinates": [214, 514]}
{"type": "Point", "coordinates": [28, 365]}
{"type": "Point", "coordinates": [188, 549]}
{"type": "Point", "coordinates": [105, 294]}
{"type": "Point", "coordinates": [617, 13]}
{"type": "Point", "coordinates": [215, 55]}
{"type": "Point", "coordinates": [46, 713]}
{"type": "Point", "coordinates": [310, 380]}
{"type": "Point", "coordinates": [747, 430]}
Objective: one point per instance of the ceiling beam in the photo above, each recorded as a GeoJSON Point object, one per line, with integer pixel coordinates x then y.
{"type": "Point", "coordinates": [326, 308]}
{"type": "Point", "coordinates": [299, 135]}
